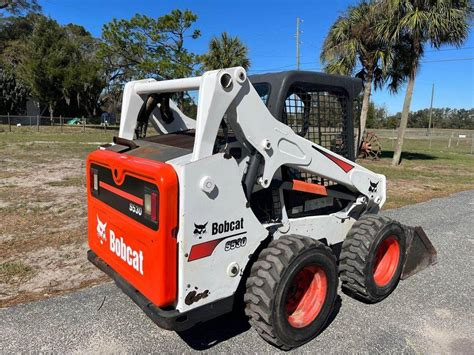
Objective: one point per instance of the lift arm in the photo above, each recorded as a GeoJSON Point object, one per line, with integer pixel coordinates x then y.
{"type": "Point", "coordinates": [228, 91]}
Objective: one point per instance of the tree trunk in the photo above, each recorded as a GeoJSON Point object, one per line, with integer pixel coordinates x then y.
{"type": "Point", "coordinates": [404, 120]}
{"type": "Point", "coordinates": [51, 110]}
{"type": "Point", "coordinates": [363, 113]}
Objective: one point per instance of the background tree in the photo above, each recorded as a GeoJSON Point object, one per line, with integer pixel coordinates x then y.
{"type": "Point", "coordinates": [412, 24]}
{"type": "Point", "coordinates": [14, 29]}
{"type": "Point", "coordinates": [13, 93]}
{"type": "Point", "coordinates": [59, 66]}
{"type": "Point", "coordinates": [144, 47]}
{"type": "Point", "coordinates": [43, 60]}
{"type": "Point", "coordinates": [84, 78]}
{"type": "Point", "coordinates": [18, 7]}
{"type": "Point", "coordinates": [225, 52]}
{"type": "Point", "coordinates": [352, 41]}
{"type": "Point", "coordinates": [442, 118]}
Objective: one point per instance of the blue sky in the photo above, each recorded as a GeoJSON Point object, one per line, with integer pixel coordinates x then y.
{"type": "Point", "coordinates": [268, 29]}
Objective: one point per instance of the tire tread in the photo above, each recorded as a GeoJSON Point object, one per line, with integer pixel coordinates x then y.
{"type": "Point", "coordinates": [264, 278]}
{"type": "Point", "coordinates": [354, 254]}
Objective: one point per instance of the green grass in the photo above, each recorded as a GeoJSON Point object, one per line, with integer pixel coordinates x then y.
{"type": "Point", "coordinates": [53, 134]}
{"type": "Point", "coordinates": [15, 269]}
{"type": "Point", "coordinates": [425, 172]}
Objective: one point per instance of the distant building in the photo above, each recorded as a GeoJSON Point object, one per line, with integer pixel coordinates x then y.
{"type": "Point", "coordinates": [32, 107]}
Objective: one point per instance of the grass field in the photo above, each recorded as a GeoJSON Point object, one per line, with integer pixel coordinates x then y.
{"type": "Point", "coordinates": [425, 172]}
{"type": "Point", "coordinates": [43, 201]}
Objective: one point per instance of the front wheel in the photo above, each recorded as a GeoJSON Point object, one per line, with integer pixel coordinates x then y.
{"type": "Point", "coordinates": [291, 290]}
{"type": "Point", "coordinates": [372, 258]}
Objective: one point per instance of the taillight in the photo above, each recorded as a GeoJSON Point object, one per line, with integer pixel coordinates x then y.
{"type": "Point", "coordinates": [151, 204]}
{"type": "Point", "coordinates": [94, 181]}
{"type": "Point", "coordinates": [154, 207]}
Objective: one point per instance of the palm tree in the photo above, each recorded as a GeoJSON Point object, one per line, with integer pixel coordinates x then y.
{"type": "Point", "coordinates": [350, 42]}
{"type": "Point", "coordinates": [411, 25]}
{"type": "Point", "coordinates": [226, 51]}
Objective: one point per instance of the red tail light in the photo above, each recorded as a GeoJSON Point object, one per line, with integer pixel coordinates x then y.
{"type": "Point", "coordinates": [154, 207]}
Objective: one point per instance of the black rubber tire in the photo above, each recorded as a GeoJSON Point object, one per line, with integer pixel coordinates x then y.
{"type": "Point", "coordinates": [358, 254]}
{"type": "Point", "coordinates": [268, 284]}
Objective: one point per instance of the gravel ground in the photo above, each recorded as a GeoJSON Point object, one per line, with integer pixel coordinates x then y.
{"type": "Point", "coordinates": [431, 312]}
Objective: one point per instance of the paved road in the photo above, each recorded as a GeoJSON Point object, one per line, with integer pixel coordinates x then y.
{"type": "Point", "coordinates": [432, 312]}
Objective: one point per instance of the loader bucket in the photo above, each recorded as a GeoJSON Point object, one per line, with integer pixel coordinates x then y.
{"type": "Point", "coordinates": [420, 253]}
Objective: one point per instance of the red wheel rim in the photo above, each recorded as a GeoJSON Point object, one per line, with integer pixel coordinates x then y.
{"type": "Point", "coordinates": [306, 296]}
{"type": "Point", "coordinates": [386, 261]}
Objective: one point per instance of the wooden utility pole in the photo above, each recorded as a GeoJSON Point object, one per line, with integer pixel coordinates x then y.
{"type": "Point", "coordinates": [298, 21]}
{"type": "Point", "coordinates": [431, 111]}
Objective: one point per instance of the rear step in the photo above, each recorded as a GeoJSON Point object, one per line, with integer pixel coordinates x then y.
{"type": "Point", "coordinates": [170, 319]}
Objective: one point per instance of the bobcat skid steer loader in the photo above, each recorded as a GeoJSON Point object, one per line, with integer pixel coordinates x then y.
{"type": "Point", "coordinates": [257, 193]}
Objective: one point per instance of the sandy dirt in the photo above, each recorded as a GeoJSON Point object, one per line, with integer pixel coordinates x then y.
{"type": "Point", "coordinates": [43, 230]}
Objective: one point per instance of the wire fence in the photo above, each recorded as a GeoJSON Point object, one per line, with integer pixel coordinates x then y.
{"type": "Point", "coordinates": [59, 124]}
{"type": "Point", "coordinates": [448, 140]}
{"type": "Point", "coordinates": [452, 140]}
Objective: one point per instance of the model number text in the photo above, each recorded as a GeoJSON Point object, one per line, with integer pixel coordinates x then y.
{"type": "Point", "coordinates": [135, 209]}
{"type": "Point", "coordinates": [236, 243]}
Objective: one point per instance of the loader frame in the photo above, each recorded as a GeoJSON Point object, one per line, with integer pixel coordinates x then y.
{"type": "Point", "coordinates": [209, 180]}
{"type": "Point", "coordinates": [275, 147]}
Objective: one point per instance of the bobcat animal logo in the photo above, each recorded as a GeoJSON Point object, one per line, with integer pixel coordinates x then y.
{"type": "Point", "coordinates": [200, 229]}
{"type": "Point", "coordinates": [101, 230]}
{"type": "Point", "coordinates": [373, 186]}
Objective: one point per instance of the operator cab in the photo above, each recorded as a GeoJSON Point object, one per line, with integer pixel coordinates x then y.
{"type": "Point", "coordinates": [318, 107]}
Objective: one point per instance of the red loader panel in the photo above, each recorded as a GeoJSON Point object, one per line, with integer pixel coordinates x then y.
{"type": "Point", "coordinates": [133, 221]}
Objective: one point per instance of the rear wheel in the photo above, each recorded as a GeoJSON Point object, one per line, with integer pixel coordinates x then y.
{"type": "Point", "coordinates": [372, 258]}
{"type": "Point", "coordinates": [291, 290]}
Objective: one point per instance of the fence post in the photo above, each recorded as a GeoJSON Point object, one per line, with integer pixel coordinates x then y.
{"type": "Point", "coordinates": [449, 142]}
{"type": "Point", "coordinates": [83, 124]}
{"type": "Point", "coordinates": [38, 123]}
{"type": "Point", "coordinates": [472, 143]}
{"type": "Point", "coordinates": [9, 123]}
{"type": "Point", "coordinates": [61, 122]}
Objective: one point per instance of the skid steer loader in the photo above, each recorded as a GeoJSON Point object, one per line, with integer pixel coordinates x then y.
{"type": "Point", "coordinates": [256, 194]}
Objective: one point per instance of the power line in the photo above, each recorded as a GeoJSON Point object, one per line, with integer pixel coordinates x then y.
{"type": "Point", "coordinates": [319, 68]}
{"type": "Point", "coordinates": [447, 60]}
{"type": "Point", "coordinates": [448, 49]}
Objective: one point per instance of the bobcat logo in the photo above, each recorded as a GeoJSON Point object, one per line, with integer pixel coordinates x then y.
{"type": "Point", "coordinates": [101, 230]}
{"type": "Point", "coordinates": [373, 186]}
{"type": "Point", "coordinates": [200, 229]}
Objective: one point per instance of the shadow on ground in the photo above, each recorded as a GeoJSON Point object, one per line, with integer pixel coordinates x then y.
{"type": "Point", "coordinates": [408, 155]}
{"type": "Point", "coordinates": [206, 335]}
